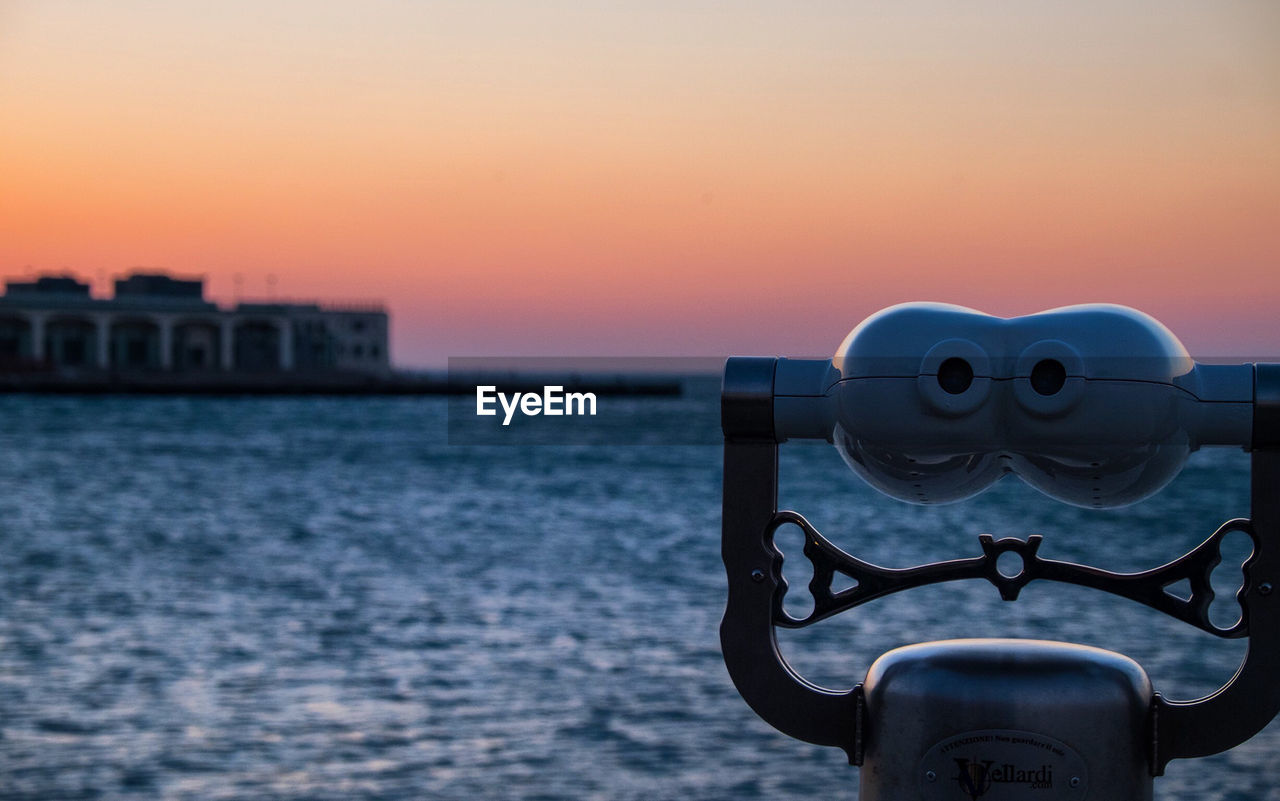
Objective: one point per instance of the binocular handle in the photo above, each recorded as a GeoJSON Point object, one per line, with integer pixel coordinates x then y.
{"type": "Point", "coordinates": [750, 409]}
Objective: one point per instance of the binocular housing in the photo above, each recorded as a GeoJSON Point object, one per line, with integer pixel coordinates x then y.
{"type": "Point", "coordinates": [1096, 405]}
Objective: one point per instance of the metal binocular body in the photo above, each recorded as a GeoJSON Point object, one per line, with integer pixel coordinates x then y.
{"type": "Point", "coordinates": [1096, 406]}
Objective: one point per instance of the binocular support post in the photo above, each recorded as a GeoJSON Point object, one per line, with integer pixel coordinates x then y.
{"type": "Point", "coordinates": [748, 639]}
{"type": "Point", "coordinates": [1223, 720]}
{"type": "Point", "coordinates": [797, 707]}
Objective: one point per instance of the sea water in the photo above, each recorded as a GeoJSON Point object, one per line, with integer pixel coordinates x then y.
{"type": "Point", "coordinates": [310, 598]}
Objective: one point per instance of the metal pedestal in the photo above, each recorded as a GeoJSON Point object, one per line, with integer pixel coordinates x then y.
{"type": "Point", "coordinates": [1005, 719]}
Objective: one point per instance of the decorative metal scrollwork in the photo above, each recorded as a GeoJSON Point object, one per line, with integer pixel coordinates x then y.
{"type": "Point", "coordinates": [1149, 587]}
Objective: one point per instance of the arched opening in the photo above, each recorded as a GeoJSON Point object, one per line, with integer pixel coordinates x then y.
{"type": "Point", "coordinates": [70, 342]}
{"type": "Point", "coordinates": [195, 346]}
{"type": "Point", "coordinates": [257, 346]}
{"type": "Point", "coordinates": [135, 345]}
{"type": "Point", "coordinates": [15, 342]}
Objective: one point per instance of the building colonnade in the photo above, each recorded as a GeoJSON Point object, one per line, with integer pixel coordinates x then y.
{"type": "Point", "coordinates": [133, 338]}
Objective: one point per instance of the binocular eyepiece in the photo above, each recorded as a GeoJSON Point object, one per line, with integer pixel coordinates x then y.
{"type": "Point", "coordinates": [1095, 405]}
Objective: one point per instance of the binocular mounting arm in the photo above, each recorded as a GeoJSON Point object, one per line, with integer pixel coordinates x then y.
{"type": "Point", "coordinates": [754, 412]}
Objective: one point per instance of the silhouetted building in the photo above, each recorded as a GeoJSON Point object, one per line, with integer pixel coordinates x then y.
{"type": "Point", "coordinates": [159, 285]}
{"type": "Point", "coordinates": [48, 285]}
{"type": "Point", "coordinates": [158, 322]}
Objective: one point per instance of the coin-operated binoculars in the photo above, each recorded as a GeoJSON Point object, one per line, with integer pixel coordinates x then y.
{"type": "Point", "coordinates": [1096, 406]}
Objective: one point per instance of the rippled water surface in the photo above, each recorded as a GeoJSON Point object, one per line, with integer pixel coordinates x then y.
{"type": "Point", "coordinates": [322, 599]}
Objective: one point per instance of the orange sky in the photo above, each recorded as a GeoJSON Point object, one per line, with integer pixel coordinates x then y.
{"type": "Point", "coordinates": [656, 178]}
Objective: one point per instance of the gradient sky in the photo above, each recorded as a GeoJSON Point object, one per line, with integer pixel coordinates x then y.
{"type": "Point", "coordinates": [656, 178]}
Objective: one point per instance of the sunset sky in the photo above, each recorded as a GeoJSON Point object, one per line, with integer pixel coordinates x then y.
{"type": "Point", "coordinates": [656, 178]}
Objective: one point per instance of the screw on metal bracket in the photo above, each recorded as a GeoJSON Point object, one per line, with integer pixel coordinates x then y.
{"type": "Point", "coordinates": [931, 776]}
{"type": "Point", "coordinates": [1264, 588]}
{"type": "Point", "coordinates": [757, 575]}
{"type": "Point", "coordinates": [1075, 781]}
